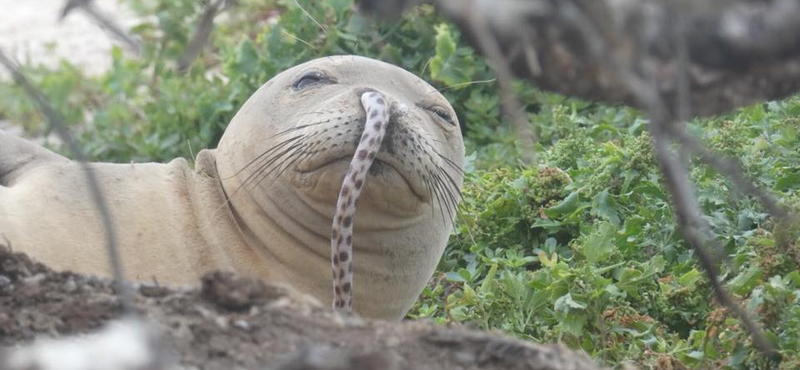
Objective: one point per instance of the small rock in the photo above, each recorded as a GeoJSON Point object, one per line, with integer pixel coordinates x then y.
{"type": "Point", "coordinates": [237, 294]}
{"type": "Point", "coordinates": [70, 286]}
{"type": "Point", "coordinates": [222, 322]}
{"type": "Point", "coordinates": [241, 324]}
{"type": "Point", "coordinates": [465, 357]}
{"type": "Point", "coordinates": [153, 291]}
{"type": "Point", "coordinates": [34, 280]}
{"type": "Point", "coordinates": [392, 341]}
{"type": "Point", "coordinates": [4, 281]}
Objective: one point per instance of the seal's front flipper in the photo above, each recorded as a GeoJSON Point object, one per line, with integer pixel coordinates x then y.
{"type": "Point", "coordinates": [18, 154]}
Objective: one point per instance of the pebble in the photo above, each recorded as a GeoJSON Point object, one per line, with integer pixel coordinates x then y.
{"type": "Point", "coordinates": [241, 324]}
{"type": "Point", "coordinates": [70, 286]}
{"type": "Point", "coordinates": [4, 281]}
{"type": "Point", "coordinates": [35, 279]}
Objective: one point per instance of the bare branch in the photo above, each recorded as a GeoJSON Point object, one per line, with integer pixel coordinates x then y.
{"type": "Point", "coordinates": [102, 20]}
{"type": "Point", "coordinates": [739, 51]}
{"type": "Point", "coordinates": [694, 229]}
{"type": "Point", "coordinates": [203, 32]}
{"type": "Point", "coordinates": [505, 80]}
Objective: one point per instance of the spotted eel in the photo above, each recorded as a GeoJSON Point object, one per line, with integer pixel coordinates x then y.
{"type": "Point", "coordinates": [377, 118]}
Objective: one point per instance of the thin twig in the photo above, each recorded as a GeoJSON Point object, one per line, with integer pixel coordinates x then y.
{"type": "Point", "coordinates": [505, 80]}
{"type": "Point", "coordinates": [201, 34]}
{"type": "Point", "coordinates": [103, 21]}
{"type": "Point", "coordinates": [693, 227]}
{"type": "Point", "coordinates": [54, 117]}
{"type": "Point", "coordinates": [324, 30]}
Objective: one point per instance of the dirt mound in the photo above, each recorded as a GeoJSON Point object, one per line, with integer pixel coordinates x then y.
{"type": "Point", "coordinates": [232, 322]}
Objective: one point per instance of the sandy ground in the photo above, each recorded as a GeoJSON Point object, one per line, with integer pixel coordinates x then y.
{"type": "Point", "coordinates": [31, 33]}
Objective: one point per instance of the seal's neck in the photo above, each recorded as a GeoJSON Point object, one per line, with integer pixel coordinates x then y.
{"type": "Point", "coordinates": [226, 247]}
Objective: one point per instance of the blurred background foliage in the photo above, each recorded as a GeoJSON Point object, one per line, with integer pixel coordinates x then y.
{"type": "Point", "coordinates": [580, 247]}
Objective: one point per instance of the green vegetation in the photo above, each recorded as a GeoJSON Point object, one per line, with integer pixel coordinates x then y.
{"type": "Point", "coordinates": [579, 248]}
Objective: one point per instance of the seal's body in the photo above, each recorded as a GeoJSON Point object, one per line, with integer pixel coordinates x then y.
{"type": "Point", "coordinates": [262, 203]}
{"type": "Point", "coordinates": [161, 213]}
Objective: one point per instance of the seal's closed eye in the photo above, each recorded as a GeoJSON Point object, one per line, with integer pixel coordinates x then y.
{"type": "Point", "coordinates": [440, 112]}
{"type": "Point", "coordinates": [443, 114]}
{"type": "Point", "coordinates": [311, 78]}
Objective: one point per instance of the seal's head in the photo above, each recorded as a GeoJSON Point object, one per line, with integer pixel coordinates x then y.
{"type": "Point", "coordinates": [283, 158]}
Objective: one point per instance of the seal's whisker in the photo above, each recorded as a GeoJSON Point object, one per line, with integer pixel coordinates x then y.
{"type": "Point", "coordinates": [446, 196]}
{"type": "Point", "coordinates": [438, 196]}
{"type": "Point", "coordinates": [293, 157]}
{"type": "Point", "coordinates": [455, 196]}
{"type": "Point", "coordinates": [284, 132]}
{"type": "Point", "coordinates": [249, 177]}
{"type": "Point", "coordinates": [455, 187]}
{"type": "Point", "coordinates": [272, 160]}
{"type": "Point", "coordinates": [269, 168]}
{"type": "Point", "coordinates": [454, 191]}
{"type": "Point", "coordinates": [269, 160]}
{"type": "Point", "coordinates": [266, 164]}
{"type": "Point", "coordinates": [308, 152]}
{"type": "Point", "coordinates": [430, 190]}
{"type": "Point", "coordinates": [229, 198]}
{"type": "Point", "coordinates": [449, 161]}
{"type": "Point", "coordinates": [266, 152]}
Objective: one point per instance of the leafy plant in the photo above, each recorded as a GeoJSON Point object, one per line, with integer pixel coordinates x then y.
{"type": "Point", "coordinates": [593, 260]}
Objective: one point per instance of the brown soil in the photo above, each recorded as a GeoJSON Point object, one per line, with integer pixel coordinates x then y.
{"type": "Point", "coordinates": [232, 322]}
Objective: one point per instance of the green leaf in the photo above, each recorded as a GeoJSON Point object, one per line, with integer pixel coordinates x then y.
{"type": "Point", "coordinates": [746, 280]}
{"type": "Point", "coordinates": [565, 303]}
{"type": "Point", "coordinates": [574, 323]}
{"type": "Point", "coordinates": [568, 205]}
{"type": "Point", "coordinates": [697, 355]}
{"type": "Point", "coordinates": [629, 281]}
{"type": "Point", "coordinates": [690, 278]}
{"type": "Point", "coordinates": [614, 291]}
{"type": "Point", "coordinates": [247, 59]}
{"type": "Point", "coordinates": [450, 65]}
{"type": "Point", "coordinates": [488, 282]}
{"type": "Point", "coordinates": [633, 225]}
{"type": "Point", "coordinates": [455, 277]}
{"type": "Point", "coordinates": [600, 244]}
{"type": "Point", "coordinates": [605, 206]}
{"type": "Point", "coordinates": [547, 262]}
{"type": "Point", "coordinates": [787, 182]}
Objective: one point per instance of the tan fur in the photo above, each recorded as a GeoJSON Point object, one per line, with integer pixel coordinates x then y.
{"type": "Point", "coordinates": [174, 224]}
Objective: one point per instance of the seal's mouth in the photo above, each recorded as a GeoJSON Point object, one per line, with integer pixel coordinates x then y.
{"type": "Point", "coordinates": [384, 163]}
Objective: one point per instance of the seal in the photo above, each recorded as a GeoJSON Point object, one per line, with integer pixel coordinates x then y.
{"type": "Point", "coordinates": [262, 203]}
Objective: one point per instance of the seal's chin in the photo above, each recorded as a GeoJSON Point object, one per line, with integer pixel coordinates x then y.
{"type": "Point", "coordinates": [386, 176]}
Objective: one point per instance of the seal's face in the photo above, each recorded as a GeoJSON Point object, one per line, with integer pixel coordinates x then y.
{"type": "Point", "coordinates": [288, 150]}
{"type": "Point", "coordinates": [313, 148]}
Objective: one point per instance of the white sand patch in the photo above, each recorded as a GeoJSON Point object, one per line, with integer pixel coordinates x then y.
{"type": "Point", "coordinates": [31, 33]}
